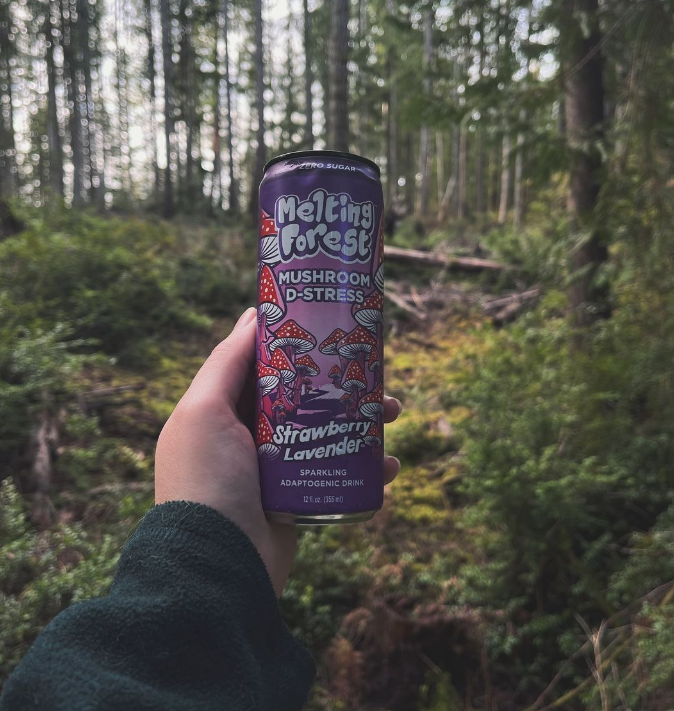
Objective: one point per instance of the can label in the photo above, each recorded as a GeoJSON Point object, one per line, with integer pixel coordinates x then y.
{"type": "Point", "coordinates": [319, 347]}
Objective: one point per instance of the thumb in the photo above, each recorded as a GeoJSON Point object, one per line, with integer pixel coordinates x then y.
{"type": "Point", "coordinates": [225, 371]}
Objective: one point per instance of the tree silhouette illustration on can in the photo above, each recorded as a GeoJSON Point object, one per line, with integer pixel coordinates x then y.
{"type": "Point", "coordinates": [320, 338]}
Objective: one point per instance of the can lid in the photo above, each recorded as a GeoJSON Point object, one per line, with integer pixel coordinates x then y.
{"type": "Point", "coordinates": [318, 153]}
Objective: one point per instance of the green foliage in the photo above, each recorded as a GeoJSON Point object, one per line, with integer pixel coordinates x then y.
{"type": "Point", "coordinates": [113, 281]}
{"type": "Point", "coordinates": [327, 581]}
{"type": "Point", "coordinates": [42, 573]}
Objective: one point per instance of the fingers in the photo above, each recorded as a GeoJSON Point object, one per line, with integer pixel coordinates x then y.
{"type": "Point", "coordinates": [225, 372]}
{"type": "Point", "coordinates": [391, 468]}
{"type": "Point", "coordinates": [392, 408]}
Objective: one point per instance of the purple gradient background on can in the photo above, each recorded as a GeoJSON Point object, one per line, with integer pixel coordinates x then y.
{"type": "Point", "coordinates": [320, 319]}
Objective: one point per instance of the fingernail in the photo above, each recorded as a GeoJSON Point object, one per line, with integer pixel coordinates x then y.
{"type": "Point", "coordinates": [395, 459]}
{"type": "Point", "coordinates": [246, 317]}
{"type": "Point", "coordinates": [399, 404]}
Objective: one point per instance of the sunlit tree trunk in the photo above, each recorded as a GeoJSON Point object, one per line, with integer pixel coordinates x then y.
{"type": "Point", "coordinates": [53, 128]}
{"type": "Point", "coordinates": [165, 16]}
{"type": "Point", "coordinates": [584, 94]}
{"type": "Point", "coordinates": [391, 119]}
{"type": "Point", "coordinates": [308, 80]}
{"type": "Point", "coordinates": [70, 48]}
{"type": "Point", "coordinates": [518, 187]}
{"type": "Point", "coordinates": [462, 209]}
{"type": "Point", "coordinates": [439, 164]}
{"type": "Point", "coordinates": [233, 187]}
{"type": "Point", "coordinates": [505, 180]}
{"type": "Point", "coordinates": [338, 138]}
{"type": "Point", "coordinates": [7, 138]}
{"type": "Point", "coordinates": [260, 150]}
{"type": "Point", "coordinates": [152, 81]}
{"type": "Point", "coordinates": [425, 137]}
{"type": "Point", "coordinates": [121, 81]}
{"type": "Point", "coordinates": [480, 201]}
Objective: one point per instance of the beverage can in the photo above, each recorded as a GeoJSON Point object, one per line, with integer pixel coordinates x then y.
{"type": "Point", "coordinates": [319, 396]}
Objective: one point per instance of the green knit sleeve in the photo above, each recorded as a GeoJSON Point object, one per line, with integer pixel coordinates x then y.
{"type": "Point", "coordinates": [191, 622]}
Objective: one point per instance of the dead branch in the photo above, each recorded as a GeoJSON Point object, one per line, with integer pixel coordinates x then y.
{"type": "Point", "coordinates": [402, 303]}
{"type": "Point", "coordinates": [492, 305]}
{"type": "Point", "coordinates": [104, 392]}
{"type": "Point", "coordinates": [432, 259]}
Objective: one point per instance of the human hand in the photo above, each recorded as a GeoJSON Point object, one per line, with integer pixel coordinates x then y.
{"type": "Point", "coordinates": [206, 452]}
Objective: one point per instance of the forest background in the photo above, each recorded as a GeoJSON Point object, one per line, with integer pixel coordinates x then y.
{"type": "Point", "coordinates": [524, 560]}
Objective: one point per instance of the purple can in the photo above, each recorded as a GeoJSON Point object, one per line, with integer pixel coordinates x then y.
{"type": "Point", "coordinates": [320, 343]}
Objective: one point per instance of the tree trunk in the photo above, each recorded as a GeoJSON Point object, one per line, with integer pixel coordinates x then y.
{"type": "Point", "coordinates": [7, 139]}
{"type": "Point", "coordinates": [391, 120]}
{"type": "Point", "coordinates": [53, 129]}
{"type": "Point", "coordinates": [308, 81]}
{"type": "Point", "coordinates": [425, 138]}
{"type": "Point", "coordinates": [70, 49]}
{"type": "Point", "coordinates": [518, 192]}
{"type": "Point", "coordinates": [190, 117]}
{"type": "Point", "coordinates": [584, 94]}
{"type": "Point", "coordinates": [462, 210]}
{"type": "Point", "coordinates": [121, 80]}
{"type": "Point", "coordinates": [91, 133]}
{"type": "Point", "coordinates": [168, 104]}
{"type": "Point", "coordinates": [152, 80]}
{"type": "Point", "coordinates": [260, 151]}
{"type": "Point", "coordinates": [440, 164]}
{"type": "Point", "coordinates": [233, 188]}
{"type": "Point", "coordinates": [479, 168]}
{"type": "Point", "coordinates": [505, 180]}
{"type": "Point", "coordinates": [338, 138]}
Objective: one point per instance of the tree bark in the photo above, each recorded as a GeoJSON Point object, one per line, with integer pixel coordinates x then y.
{"type": "Point", "coordinates": [425, 137]}
{"type": "Point", "coordinates": [233, 187]}
{"type": "Point", "coordinates": [440, 164]}
{"type": "Point", "coordinates": [8, 176]}
{"type": "Point", "coordinates": [415, 256]}
{"type": "Point", "coordinates": [338, 138]}
{"type": "Point", "coordinates": [168, 104]}
{"type": "Point", "coordinates": [53, 128]}
{"type": "Point", "coordinates": [518, 192]}
{"type": "Point", "coordinates": [584, 103]}
{"type": "Point", "coordinates": [121, 81]}
{"type": "Point", "coordinates": [505, 180]}
{"type": "Point", "coordinates": [308, 81]}
{"type": "Point", "coordinates": [260, 150]}
{"type": "Point", "coordinates": [462, 208]}
{"type": "Point", "coordinates": [479, 168]}
{"type": "Point", "coordinates": [391, 119]}
{"type": "Point", "coordinates": [70, 61]}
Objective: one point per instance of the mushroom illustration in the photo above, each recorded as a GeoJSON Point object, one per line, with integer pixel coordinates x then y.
{"type": "Point", "coordinates": [269, 247]}
{"type": "Point", "coordinates": [306, 382]}
{"type": "Point", "coordinates": [279, 411]}
{"type": "Point", "coordinates": [284, 367]}
{"type": "Point", "coordinates": [373, 435]}
{"type": "Point", "coordinates": [267, 378]}
{"type": "Point", "coordinates": [304, 365]}
{"type": "Point", "coordinates": [264, 439]}
{"type": "Point", "coordinates": [329, 346]}
{"type": "Point", "coordinates": [335, 375]}
{"type": "Point", "coordinates": [374, 364]}
{"type": "Point", "coordinates": [271, 307]}
{"type": "Point", "coordinates": [354, 380]}
{"type": "Point", "coordinates": [370, 312]}
{"type": "Point", "coordinates": [347, 401]}
{"type": "Point", "coordinates": [356, 344]}
{"type": "Point", "coordinates": [292, 338]}
{"type": "Point", "coordinates": [372, 404]}
{"type": "Point", "coordinates": [378, 262]}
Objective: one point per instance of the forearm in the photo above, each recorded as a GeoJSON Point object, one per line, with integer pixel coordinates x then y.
{"type": "Point", "coordinates": [191, 622]}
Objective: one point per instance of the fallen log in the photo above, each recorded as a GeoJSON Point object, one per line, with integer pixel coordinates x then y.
{"type": "Point", "coordinates": [434, 259]}
{"type": "Point", "coordinates": [521, 298]}
{"type": "Point", "coordinates": [104, 392]}
{"type": "Point", "coordinates": [402, 303]}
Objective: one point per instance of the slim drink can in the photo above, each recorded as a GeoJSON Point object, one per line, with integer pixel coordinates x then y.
{"type": "Point", "coordinates": [319, 397]}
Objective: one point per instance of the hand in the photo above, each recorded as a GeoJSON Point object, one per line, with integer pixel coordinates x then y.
{"type": "Point", "coordinates": [206, 452]}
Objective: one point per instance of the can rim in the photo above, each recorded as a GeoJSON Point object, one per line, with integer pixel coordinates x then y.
{"type": "Point", "coordinates": [322, 152]}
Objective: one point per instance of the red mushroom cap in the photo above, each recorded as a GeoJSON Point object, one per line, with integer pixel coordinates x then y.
{"type": "Point", "coordinates": [291, 334]}
{"type": "Point", "coordinates": [306, 364]}
{"type": "Point", "coordinates": [370, 312]}
{"type": "Point", "coordinates": [335, 372]}
{"type": "Point", "coordinates": [374, 361]}
{"type": "Point", "coordinates": [269, 247]}
{"type": "Point", "coordinates": [356, 341]}
{"type": "Point", "coordinates": [267, 224]}
{"type": "Point", "coordinates": [287, 370]}
{"type": "Point", "coordinates": [264, 439]}
{"type": "Point", "coordinates": [373, 435]}
{"type": "Point", "coordinates": [354, 378]}
{"type": "Point", "coordinates": [270, 300]}
{"type": "Point", "coordinates": [372, 404]}
{"type": "Point", "coordinates": [329, 345]}
{"type": "Point", "coordinates": [267, 377]}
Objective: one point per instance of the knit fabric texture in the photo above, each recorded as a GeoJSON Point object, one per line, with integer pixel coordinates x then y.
{"type": "Point", "coordinates": [191, 622]}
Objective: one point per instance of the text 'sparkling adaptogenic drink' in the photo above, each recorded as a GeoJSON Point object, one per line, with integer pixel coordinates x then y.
{"type": "Point", "coordinates": [319, 420]}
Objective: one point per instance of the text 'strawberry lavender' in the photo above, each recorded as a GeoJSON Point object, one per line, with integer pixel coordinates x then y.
{"type": "Point", "coordinates": [319, 430]}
